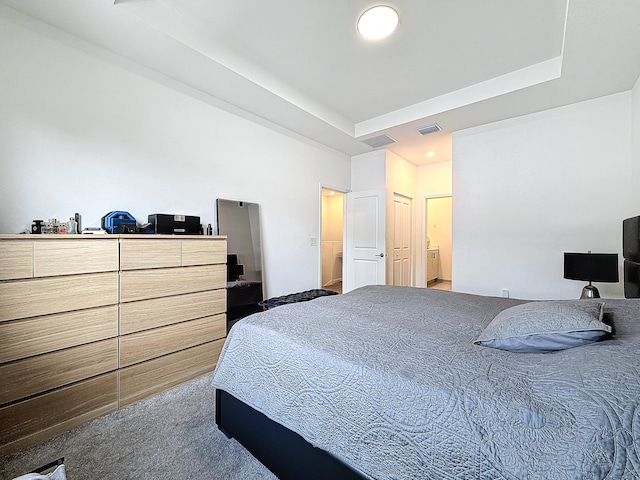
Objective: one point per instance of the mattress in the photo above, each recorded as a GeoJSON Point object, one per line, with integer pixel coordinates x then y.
{"type": "Point", "coordinates": [388, 380]}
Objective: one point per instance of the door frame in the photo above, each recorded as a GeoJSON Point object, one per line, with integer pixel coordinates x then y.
{"type": "Point", "coordinates": [319, 242]}
{"type": "Point", "coordinates": [421, 259]}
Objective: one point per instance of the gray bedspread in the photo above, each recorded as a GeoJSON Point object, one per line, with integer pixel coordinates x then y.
{"type": "Point", "coordinates": [388, 379]}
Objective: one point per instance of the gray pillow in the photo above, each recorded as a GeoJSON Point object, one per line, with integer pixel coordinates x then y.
{"type": "Point", "coordinates": [537, 327]}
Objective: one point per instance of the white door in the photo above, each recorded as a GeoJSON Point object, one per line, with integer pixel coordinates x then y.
{"type": "Point", "coordinates": [364, 239]}
{"type": "Point", "coordinates": [401, 240]}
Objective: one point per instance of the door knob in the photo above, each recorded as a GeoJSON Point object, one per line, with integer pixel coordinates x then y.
{"type": "Point", "coordinates": [381, 255]}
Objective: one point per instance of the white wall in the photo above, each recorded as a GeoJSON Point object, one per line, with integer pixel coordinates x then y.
{"type": "Point", "coordinates": [369, 171]}
{"type": "Point", "coordinates": [527, 189]}
{"type": "Point", "coordinates": [81, 134]}
{"type": "Point", "coordinates": [383, 169]}
{"type": "Point", "coordinates": [434, 179]}
{"type": "Point", "coordinates": [401, 175]}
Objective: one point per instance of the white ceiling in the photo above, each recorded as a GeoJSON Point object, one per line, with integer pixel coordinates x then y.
{"type": "Point", "coordinates": [302, 66]}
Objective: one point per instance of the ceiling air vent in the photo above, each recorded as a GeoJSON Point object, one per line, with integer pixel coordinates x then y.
{"type": "Point", "coordinates": [427, 129]}
{"type": "Point", "coordinates": [379, 141]}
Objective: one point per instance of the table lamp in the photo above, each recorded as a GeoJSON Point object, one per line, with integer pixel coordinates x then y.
{"type": "Point", "coordinates": [591, 267]}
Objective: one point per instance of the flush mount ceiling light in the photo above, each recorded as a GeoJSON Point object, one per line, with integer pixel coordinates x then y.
{"type": "Point", "coordinates": [378, 22]}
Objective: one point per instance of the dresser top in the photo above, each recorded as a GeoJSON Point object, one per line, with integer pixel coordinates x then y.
{"type": "Point", "coordinates": [63, 236]}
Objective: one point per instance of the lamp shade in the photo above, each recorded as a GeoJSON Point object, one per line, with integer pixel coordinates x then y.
{"type": "Point", "coordinates": [592, 267]}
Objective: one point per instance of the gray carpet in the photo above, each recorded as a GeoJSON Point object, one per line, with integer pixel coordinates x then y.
{"type": "Point", "coordinates": [170, 436]}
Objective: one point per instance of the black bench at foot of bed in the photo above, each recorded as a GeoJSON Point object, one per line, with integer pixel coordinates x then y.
{"type": "Point", "coordinates": [285, 453]}
{"type": "Point", "coordinates": [296, 298]}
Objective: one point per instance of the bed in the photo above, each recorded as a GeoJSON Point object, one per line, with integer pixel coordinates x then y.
{"type": "Point", "coordinates": [386, 382]}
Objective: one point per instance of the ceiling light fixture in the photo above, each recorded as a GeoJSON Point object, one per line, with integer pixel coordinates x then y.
{"type": "Point", "coordinates": [431, 154]}
{"type": "Point", "coordinates": [378, 22]}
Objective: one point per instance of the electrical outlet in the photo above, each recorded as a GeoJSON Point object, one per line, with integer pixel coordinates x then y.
{"type": "Point", "coordinates": [505, 292]}
{"type": "Point", "coordinates": [313, 242]}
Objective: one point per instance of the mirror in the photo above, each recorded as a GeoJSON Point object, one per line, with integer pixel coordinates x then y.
{"type": "Point", "coordinates": [240, 222]}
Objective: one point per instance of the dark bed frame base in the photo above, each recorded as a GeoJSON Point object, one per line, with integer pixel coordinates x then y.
{"type": "Point", "coordinates": [285, 453]}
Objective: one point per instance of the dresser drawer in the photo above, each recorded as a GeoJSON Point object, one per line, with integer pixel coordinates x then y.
{"type": "Point", "coordinates": [149, 253]}
{"type": "Point", "coordinates": [203, 252]}
{"type": "Point", "coordinates": [141, 253]}
{"type": "Point", "coordinates": [163, 282]}
{"type": "Point", "coordinates": [145, 314]}
{"type": "Point", "coordinates": [63, 255]}
{"type": "Point", "coordinates": [154, 376]}
{"type": "Point", "coordinates": [38, 418]}
{"type": "Point", "coordinates": [34, 336]}
{"type": "Point", "coordinates": [16, 259]}
{"type": "Point", "coordinates": [38, 374]}
{"type": "Point", "coordinates": [70, 257]}
{"type": "Point", "coordinates": [148, 344]}
{"type": "Point", "coordinates": [42, 296]}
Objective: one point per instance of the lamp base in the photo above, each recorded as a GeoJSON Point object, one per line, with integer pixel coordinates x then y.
{"type": "Point", "coordinates": [590, 292]}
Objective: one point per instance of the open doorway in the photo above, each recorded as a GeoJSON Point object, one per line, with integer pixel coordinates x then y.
{"type": "Point", "coordinates": [438, 221]}
{"type": "Point", "coordinates": [331, 241]}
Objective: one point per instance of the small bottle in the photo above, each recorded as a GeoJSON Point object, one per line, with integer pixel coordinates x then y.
{"type": "Point", "coordinates": [72, 226]}
{"type": "Point", "coordinates": [36, 226]}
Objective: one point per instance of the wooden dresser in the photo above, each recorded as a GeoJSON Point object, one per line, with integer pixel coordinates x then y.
{"type": "Point", "coordinates": [89, 324]}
